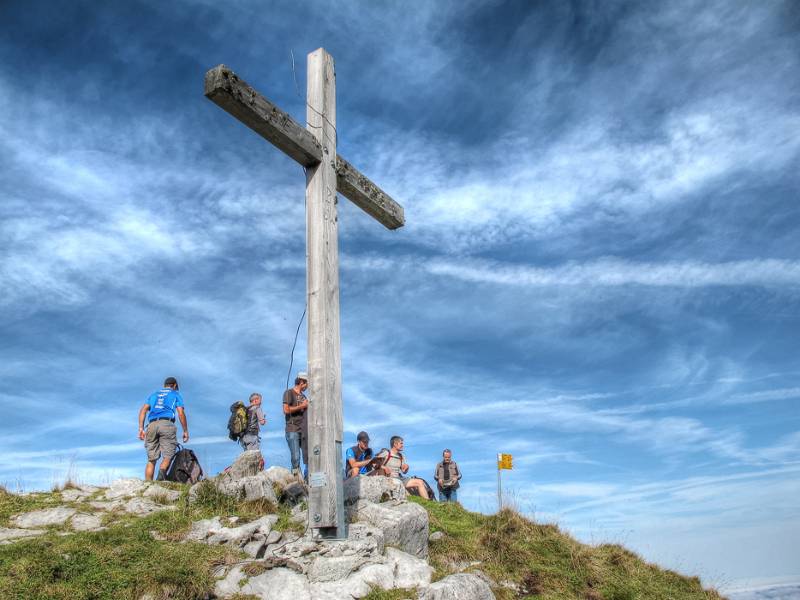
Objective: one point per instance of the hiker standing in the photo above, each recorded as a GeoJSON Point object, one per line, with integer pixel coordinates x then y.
{"type": "Point", "coordinates": [161, 436]}
{"type": "Point", "coordinates": [251, 440]}
{"type": "Point", "coordinates": [447, 477]}
{"type": "Point", "coordinates": [295, 405]}
{"type": "Point", "coordinates": [359, 456]}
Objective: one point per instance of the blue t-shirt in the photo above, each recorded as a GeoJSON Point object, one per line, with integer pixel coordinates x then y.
{"type": "Point", "coordinates": [163, 404]}
{"type": "Point", "coordinates": [362, 455]}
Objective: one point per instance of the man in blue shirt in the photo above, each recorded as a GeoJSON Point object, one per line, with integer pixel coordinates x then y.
{"type": "Point", "coordinates": [161, 437]}
{"type": "Point", "coordinates": [359, 456]}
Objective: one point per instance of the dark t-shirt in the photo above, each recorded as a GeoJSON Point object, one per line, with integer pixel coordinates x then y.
{"type": "Point", "coordinates": [295, 421]}
{"type": "Point", "coordinates": [254, 417]}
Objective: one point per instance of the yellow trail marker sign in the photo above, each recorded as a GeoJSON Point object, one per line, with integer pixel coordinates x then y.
{"type": "Point", "coordinates": [504, 461]}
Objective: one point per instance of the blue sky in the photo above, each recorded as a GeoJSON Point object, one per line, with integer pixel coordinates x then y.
{"type": "Point", "coordinates": [600, 271]}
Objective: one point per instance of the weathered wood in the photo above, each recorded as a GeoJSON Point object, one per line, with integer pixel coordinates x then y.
{"type": "Point", "coordinates": [368, 196]}
{"type": "Point", "coordinates": [228, 91]}
{"type": "Point", "coordinates": [325, 426]}
{"type": "Point", "coordinates": [233, 94]}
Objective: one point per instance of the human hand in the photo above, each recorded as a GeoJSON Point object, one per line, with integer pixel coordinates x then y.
{"type": "Point", "coordinates": [185, 436]}
{"type": "Point", "coordinates": [387, 470]}
{"type": "Point", "coordinates": [404, 468]}
{"type": "Point", "coordinates": [141, 434]}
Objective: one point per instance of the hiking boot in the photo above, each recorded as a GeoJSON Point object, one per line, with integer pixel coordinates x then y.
{"type": "Point", "coordinates": [162, 475]}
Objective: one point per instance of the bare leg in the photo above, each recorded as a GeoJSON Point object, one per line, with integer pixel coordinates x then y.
{"type": "Point", "coordinates": [148, 470]}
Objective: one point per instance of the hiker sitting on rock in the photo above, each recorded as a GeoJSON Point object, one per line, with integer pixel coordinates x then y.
{"type": "Point", "coordinates": [359, 456]}
{"type": "Point", "coordinates": [447, 477]}
{"type": "Point", "coordinates": [251, 440]}
{"type": "Point", "coordinates": [395, 465]}
{"type": "Point", "coordinates": [161, 436]}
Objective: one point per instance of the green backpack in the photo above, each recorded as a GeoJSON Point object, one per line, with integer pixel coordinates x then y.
{"type": "Point", "coordinates": [238, 421]}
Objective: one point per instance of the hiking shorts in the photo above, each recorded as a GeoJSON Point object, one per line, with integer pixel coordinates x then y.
{"type": "Point", "coordinates": [250, 441]}
{"type": "Point", "coordinates": [161, 439]}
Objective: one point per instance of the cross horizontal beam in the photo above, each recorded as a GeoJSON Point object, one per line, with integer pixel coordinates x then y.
{"type": "Point", "coordinates": [231, 93]}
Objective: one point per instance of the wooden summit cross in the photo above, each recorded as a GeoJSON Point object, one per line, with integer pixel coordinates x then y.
{"type": "Point", "coordinates": [326, 173]}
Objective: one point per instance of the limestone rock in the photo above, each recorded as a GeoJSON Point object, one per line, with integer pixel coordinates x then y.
{"type": "Point", "coordinates": [278, 584]}
{"type": "Point", "coordinates": [461, 586]}
{"type": "Point", "coordinates": [8, 535]}
{"type": "Point", "coordinates": [229, 585]}
{"type": "Point", "coordinates": [256, 546]}
{"type": "Point", "coordinates": [43, 518]}
{"type": "Point", "coordinates": [212, 532]}
{"type": "Point", "coordinates": [373, 489]}
{"type": "Point", "coordinates": [157, 491]}
{"type": "Point", "coordinates": [252, 487]}
{"type": "Point", "coordinates": [246, 464]}
{"type": "Point", "coordinates": [141, 507]}
{"type": "Point", "coordinates": [280, 476]}
{"type": "Point", "coordinates": [404, 525]}
{"type": "Point", "coordinates": [86, 522]}
{"type": "Point", "coordinates": [435, 536]}
{"type": "Point", "coordinates": [334, 568]}
{"type": "Point", "coordinates": [377, 575]}
{"type": "Point", "coordinates": [294, 493]}
{"type": "Point", "coordinates": [125, 487]}
{"type": "Point", "coordinates": [409, 571]}
{"type": "Point", "coordinates": [79, 493]}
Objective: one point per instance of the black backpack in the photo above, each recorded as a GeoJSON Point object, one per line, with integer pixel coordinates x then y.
{"type": "Point", "coordinates": [185, 468]}
{"type": "Point", "coordinates": [237, 423]}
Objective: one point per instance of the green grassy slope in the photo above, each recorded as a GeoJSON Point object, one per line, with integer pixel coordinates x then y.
{"type": "Point", "coordinates": [137, 556]}
{"type": "Point", "coordinates": [544, 563]}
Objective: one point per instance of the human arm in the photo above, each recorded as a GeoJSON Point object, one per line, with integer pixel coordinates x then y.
{"type": "Point", "coordinates": [142, 414]}
{"type": "Point", "coordinates": [260, 414]}
{"type": "Point", "coordinates": [182, 418]}
{"type": "Point", "coordinates": [288, 408]}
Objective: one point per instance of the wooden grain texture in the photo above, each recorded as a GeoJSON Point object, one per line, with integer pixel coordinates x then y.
{"type": "Point", "coordinates": [325, 427]}
{"type": "Point", "coordinates": [228, 91]}
{"type": "Point", "coordinates": [368, 196]}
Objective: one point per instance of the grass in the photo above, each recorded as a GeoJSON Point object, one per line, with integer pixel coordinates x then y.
{"type": "Point", "coordinates": [138, 556]}
{"type": "Point", "coordinates": [544, 563]}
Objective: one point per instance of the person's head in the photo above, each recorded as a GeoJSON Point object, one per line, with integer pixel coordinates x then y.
{"type": "Point", "coordinates": [255, 399]}
{"type": "Point", "coordinates": [171, 382]}
{"type": "Point", "coordinates": [363, 440]}
{"type": "Point", "coordinates": [301, 381]}
{"type": "Point", "coordinates": [447, 455]}
{"type": "Point", "coordinates": [396, 442]}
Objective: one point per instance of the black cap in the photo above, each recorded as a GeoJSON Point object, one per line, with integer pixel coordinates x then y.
{"type": "Point", "coordinates": [362, 436]}
{"type": "Point", "coordinates": [171, 381]}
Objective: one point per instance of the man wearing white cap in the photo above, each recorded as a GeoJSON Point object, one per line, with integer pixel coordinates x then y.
{"type": "Point", "coordinates": [295, 405]}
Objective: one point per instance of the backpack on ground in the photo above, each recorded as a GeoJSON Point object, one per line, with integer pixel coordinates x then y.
{"type": "Point", "coordinates": [237, 423]}
{"type": "Point", "coordinates": [185, 468]}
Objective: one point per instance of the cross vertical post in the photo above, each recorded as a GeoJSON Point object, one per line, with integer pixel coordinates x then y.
{"type": "Point", "coordinates": [325, 419]}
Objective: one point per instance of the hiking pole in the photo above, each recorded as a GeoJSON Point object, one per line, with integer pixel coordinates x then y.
{"type": "Point", "coordinates": [499, 488]}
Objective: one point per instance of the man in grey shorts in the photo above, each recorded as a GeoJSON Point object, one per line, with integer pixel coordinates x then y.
{"type": "Point", "coordinates": [251, 440]}
{"type": "Point", "coordinates": [161, 437]}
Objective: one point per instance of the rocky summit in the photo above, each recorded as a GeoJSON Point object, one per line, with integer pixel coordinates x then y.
{"type": "Point", "coordinates": [386, 547]}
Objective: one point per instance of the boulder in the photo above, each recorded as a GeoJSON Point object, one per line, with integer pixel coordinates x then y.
{"type": "Point", "coordinates": [294, 493]}
{"type": "Point", "coordinates": [280, 476]}
{"type": "Point", "coordinates": [373, 489]}
{"type": "Point", "coordinates": [435, 536]}
{"type": "Point", "coordinates": [409, 571]}
{"type": "Point", "coordinates": [246, 464]}
{"type": "Point", "coordinates": [86, 522]}
{"type": "Point", "coordinates": [8, 535]}
{"type": "Point", "coordinates": [252, 487]}
{"type": "Point", "coordinates": [404, 526]}
{"type": "Point", "coordinates": [278, 584]}
{"type": "Point", "coordinates": [335, 568]}
{"type": "Point", "coordinates": [125, 487]}
{"type": "Point", "coordinates": [105, 505]}
{"type": "Point", "coordinates": [461, 586]}
{"type": "Point", "coordinates": [43, 518]}
{"type": "Point", "coordinates": [377, 575]}
{"type": "Point", "coordinates": [157, 491]}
